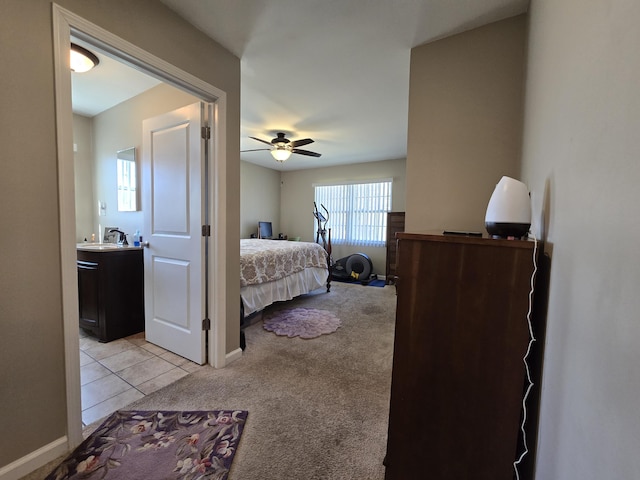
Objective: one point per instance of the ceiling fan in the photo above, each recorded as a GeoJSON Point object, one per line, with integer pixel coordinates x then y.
{"type": "Point", "coordinates": [283, 147]}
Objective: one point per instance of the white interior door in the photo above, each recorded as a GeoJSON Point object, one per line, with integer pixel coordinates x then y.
{"type": "Point", "coordinates": [173, 198]}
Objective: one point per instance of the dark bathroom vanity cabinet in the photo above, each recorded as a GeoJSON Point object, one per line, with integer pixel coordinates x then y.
{"type": "Point", "coordinates": [111, 291]}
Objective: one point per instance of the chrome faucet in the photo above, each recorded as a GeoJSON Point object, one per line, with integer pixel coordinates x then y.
{"type": "Point", "coordinates": [123, 236]}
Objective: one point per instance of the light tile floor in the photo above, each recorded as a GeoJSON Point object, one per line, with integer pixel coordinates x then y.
{"type": "Point", "coordinates": [117, 373]}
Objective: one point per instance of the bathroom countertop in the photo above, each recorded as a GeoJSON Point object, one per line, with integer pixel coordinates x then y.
{"type": "Point", "coordinates": [104, 247]}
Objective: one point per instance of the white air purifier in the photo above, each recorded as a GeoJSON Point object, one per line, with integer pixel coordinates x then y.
{"type": "Point", "coordinates": [509, 209]}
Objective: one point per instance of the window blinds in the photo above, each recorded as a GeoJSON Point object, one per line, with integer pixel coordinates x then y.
{"type": "Point", "coordinates": [357, 211]}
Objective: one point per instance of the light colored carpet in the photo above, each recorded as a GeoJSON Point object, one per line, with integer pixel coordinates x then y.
{"type": "Point", "coordinates": [318, 408]}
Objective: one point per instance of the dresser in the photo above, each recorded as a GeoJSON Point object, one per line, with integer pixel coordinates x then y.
{"type": "Point", "coordinates": [395, 224]}
{"type": "Point", "coordinates": [458, 376]}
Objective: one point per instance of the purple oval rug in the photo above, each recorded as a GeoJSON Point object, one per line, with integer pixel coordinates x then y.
{"type": "Point", "coordinates": [302, 322]}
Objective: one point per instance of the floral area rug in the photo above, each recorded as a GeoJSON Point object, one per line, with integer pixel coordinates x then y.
{"type": "Point", "coordinates": [131, 445]}
{"type": "Point", "coordinates": [301, 322]}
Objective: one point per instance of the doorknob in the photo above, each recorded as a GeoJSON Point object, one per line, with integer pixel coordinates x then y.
{"type": "Point", "coordinates": [144, 244]}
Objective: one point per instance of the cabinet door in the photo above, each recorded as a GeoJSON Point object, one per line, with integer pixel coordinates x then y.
{"type": "Point", "coordinates": [88, 294]}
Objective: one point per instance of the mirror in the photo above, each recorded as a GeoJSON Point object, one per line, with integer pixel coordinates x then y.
{"type": "Point", "coordinates": [127, 180]}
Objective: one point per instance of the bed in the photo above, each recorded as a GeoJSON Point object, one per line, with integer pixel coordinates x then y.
{"type": "Point", "coordinates": [278, 270]}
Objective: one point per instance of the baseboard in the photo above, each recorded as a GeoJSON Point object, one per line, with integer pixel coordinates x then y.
{"type": "Point", "coordinates": [231, 357]}
{"type": "Point", "coordinates": [36, 459]}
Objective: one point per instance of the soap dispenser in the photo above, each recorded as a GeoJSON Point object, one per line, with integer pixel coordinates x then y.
{"type": "Point", "coordinates": [136, 238]}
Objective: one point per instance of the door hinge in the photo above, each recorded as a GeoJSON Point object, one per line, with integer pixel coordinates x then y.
{"type": "Point", "coordinates": [206, 132]}
{"type": "Point", "coordinates": [206, 230]}
{"type": "Point", "coordinates": [206, 324]}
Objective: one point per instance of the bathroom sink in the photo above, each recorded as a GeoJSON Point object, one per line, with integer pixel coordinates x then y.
{"type": "Point", "coordinates": [99, 246]}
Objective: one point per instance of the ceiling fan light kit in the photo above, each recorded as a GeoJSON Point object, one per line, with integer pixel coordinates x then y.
{"type": "Point", "coordinates": [282, 147]}
{"type": "Point", "coordinates": [281, 153]}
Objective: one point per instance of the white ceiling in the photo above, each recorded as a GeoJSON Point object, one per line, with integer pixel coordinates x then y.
{"type": "Point", "coordinates": [336, 71]}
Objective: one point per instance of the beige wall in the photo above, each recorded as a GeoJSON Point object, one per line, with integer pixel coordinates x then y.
{"type": "Point", "coordinates": [296, 207]}
{"type": "Point", "coordinates": [31, 358]}
{"type": "Point", "coordinates": [465, 124]}
{"type": "Point", "coordinates": [86, 205]}
{"type": "Point", "coordinates": [581, 161]}
{"type": "Point", "coordinates": [259, 198]}
{"type": "Point", "coordinates": [32, 355]}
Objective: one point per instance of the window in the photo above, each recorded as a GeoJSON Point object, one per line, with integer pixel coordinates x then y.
{"type": "Point", "coordinates": [357, 212]}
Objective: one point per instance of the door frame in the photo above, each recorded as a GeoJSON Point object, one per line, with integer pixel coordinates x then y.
{"type": "Point", "coordinates": [66, 23]}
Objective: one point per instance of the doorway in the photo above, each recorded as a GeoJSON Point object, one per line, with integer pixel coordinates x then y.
{"type": "Point", "coordinates": [128, 367]}
{"type": "Point", "coordinates": [66, 24]}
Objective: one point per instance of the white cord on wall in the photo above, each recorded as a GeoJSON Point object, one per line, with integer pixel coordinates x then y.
{"type": "Point", "coordinates": [526, 365]}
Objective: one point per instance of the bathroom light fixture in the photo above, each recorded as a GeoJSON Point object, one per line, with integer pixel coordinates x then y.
{"type": "Point", "coordinates": [82, 60]}
{"type": "Point", "coordinates": [282, 152]}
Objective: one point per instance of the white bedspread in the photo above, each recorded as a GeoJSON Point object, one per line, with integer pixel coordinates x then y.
{"type": "Point", "coordinates": [264, 261]}
{"type": "Point", "coordinates": [275, 270]}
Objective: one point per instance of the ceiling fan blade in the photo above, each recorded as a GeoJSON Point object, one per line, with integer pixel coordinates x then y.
{"type": "Point", "coordinates": [305, 152]}
{"type": "Point", "coordinates": [260, 140]}
{"type": "Point", "coordinates": [254, 150]}
{"type": "Point", "coordinates": [300, 143]}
